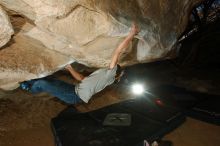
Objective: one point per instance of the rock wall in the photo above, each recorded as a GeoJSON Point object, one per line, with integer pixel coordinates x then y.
{"type": "Point", "coordinates": [89, 30]}
{"type": "Point", "coordinates": [6, 30]}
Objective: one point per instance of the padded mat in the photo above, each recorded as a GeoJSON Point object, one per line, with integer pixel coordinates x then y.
{"type": "Point", "coordinates": [208, 110]}
{"type": "Point", "coordinates": [71, 128]}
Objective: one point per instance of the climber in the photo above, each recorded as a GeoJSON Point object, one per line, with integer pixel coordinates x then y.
{"type": "Point", "coordinates": [88, 86]}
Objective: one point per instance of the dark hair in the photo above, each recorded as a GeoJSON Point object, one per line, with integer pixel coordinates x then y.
{"type": "Point", "coordinates": [119, 72]}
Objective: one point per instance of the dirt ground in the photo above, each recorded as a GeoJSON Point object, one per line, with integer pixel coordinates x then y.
{"type": "Point", "coordinates": [25, 120]}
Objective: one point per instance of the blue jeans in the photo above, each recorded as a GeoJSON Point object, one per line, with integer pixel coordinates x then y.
{"type": "Point", "coordinates": [60, 89]}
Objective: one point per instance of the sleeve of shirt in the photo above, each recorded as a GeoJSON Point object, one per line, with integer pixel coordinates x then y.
{"type": "Point", "coordinates": [112, 72]}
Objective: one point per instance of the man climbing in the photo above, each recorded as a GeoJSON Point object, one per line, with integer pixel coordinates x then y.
{"type": "Point", "coordinates": [88, 86]}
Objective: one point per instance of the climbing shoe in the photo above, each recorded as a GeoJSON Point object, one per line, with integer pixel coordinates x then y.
{"type": "Point", "coordinates": [25, 86]}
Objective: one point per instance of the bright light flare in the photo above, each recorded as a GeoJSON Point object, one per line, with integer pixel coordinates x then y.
{"type": "Point", "coordinates": [138, 89]}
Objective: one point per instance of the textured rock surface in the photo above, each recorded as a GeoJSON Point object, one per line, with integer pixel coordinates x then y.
{"type": "Point", "coordinates": [89, 30]}
{"type": "Point", "coordinates": [25, 58]}
{"type": "Point", "coordinates": [6, 28]}
{"type": "Point", "coordinates": [38, 61]}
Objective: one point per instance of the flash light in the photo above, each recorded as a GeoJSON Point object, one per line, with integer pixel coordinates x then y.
{"type": "Point", "coordinates": [138, 89]}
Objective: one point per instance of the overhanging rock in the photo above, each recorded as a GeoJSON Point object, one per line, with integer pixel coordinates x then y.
{"type": "Point", "coordinates": [89, 30]}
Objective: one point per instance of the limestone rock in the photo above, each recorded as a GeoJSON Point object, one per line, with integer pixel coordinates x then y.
{"type": "Point", "coordinates": [6, 30]}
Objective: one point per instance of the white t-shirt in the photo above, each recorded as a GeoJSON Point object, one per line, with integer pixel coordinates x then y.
{"type": "Point", "coordinates": [95, 82]}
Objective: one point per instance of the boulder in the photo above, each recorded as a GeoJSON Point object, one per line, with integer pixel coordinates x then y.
{"type": "Point", "coordinates": [27, 59]}
{"type": "Point", "coordinates": [95, 27]}
{"type": "Point", "coordinates": [89, 30]}
{"type": "Point", "coordinates": [6, 30]}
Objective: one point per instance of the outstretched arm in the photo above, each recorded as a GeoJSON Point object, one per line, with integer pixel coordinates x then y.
{"type": "Point", "coordinates": [74, 73]}
{"type": "Point", "coordinates": [124, 44]}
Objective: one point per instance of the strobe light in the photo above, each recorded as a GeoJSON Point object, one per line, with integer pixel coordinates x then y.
{"type": "Point", "coordinates": [138, 89]}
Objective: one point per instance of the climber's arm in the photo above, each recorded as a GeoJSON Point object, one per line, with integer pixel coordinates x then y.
{"type": "Point", "coordinates": [124, 44]}
{"type": "Point", "coordinates": [74, 73]}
